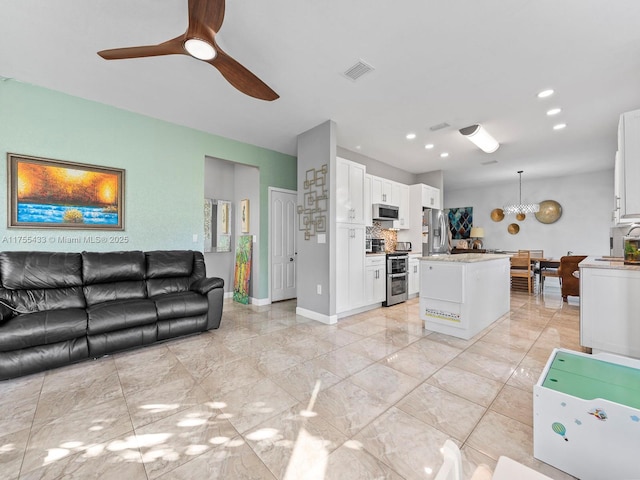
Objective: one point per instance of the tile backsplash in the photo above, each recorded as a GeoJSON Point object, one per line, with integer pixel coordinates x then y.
{"type": "Point", "coordinates": [390, 236]}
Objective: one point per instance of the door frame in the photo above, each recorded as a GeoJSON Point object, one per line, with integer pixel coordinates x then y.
{"type": "Point", "coordinates": [270, 266]}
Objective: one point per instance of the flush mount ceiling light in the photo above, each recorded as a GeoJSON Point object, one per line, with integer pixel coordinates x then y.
{"type": "Point", "coordinates": [429, 146]}
{"type": "Point", "coordinates": [545, 93]}
{"type": "Point", "coordinates": [560, 126]}
{"type": "Point", "coordinates": [199, 49]}
{"type": "Point", "coordinates": [521, 208]}
{"type": "Point", "coordinates": [481, 138]}
{"type": "Point", "coordinates": [554, 111]}
{"type": "Point", "coordinates": [444, 155]}
{"type": "Point", "coordinates": [411, 136]}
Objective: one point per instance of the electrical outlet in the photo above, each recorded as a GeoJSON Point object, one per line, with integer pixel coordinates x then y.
{"type": "Point", "coordinates": [319, 289]}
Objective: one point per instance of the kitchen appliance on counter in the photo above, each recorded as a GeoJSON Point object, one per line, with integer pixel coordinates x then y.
{"type": "Point", "coordinates": [403, 247]}
{"type": "Point", "coordinates": [397, 278]}
{"type": "Point", "coordinates": [368, 246]}
{"type": "Point", "coordinates": [437, 224]}
{"type": "Point", "coordinates": [377, 245]}
{"type": "Point", "coordinates": [385, 212]}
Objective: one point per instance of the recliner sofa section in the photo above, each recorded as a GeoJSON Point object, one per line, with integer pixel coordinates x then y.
{"type": "Point", "coordinates": [66, 307]}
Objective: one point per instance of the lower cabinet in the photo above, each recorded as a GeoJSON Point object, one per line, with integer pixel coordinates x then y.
{"type": "Point", "coordinates": [414, 275]}
{"type": "Point", "coordinates": [350, 256]}
{"type": "Point", "coordinates": [609, 306]}
{"type": "Point", "coordinates": [375, 284]}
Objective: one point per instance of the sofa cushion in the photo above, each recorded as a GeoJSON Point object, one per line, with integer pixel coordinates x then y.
{"type": "Point", "coordinates": [117, 291]}
{"type": "Point", "coordinates": [42, 328]}
{"type": "Point", "coordinates": [118, 315]}
{"type": "Point", "coordinates": [180, 305]}
{"type": "Point", "coordinates": [43, 299]}
{"type": "Point", "coordinates": [169, 263]}
{"type": "Point", "coordinates": [109, 267]}
{"type": "Point", "coordinates": [38, 270]}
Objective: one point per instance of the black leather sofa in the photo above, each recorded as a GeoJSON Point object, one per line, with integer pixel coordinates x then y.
{"type": "Point", "coordinates": [60, 308]}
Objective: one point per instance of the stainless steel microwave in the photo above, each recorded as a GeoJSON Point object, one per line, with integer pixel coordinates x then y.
{"type": "Point", "coordinates": [385, 212]}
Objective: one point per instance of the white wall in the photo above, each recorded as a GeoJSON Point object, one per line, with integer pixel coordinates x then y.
{"type": "Point", "coordinates": [583, 228]}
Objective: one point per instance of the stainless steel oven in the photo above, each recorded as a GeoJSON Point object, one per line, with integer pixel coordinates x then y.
{"type": "Point", "coordinates": [397, 281]}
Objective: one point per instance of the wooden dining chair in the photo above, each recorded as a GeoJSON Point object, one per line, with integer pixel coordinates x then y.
{"type": "Point", "coordinates": [521, 272]}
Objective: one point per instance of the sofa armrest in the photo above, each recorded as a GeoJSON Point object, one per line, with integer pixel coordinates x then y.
{"type": "Point", "coordinates": [205, 285]}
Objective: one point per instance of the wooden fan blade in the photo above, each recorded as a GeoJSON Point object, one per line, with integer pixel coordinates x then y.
{"type": "Point", "coordinates": [242, 78]}
{"type": "Point", "coordinates": [170, 47]}
{"type": "Point", "coordinates": [205, 18]}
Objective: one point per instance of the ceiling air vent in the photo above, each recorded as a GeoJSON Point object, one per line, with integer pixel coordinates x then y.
{"type": "Point", "coordinates": [489, 162]}
{"type": "Point", "coordinates": [358, 70]}
{"type": "Point", "coordinates": [439, 126]}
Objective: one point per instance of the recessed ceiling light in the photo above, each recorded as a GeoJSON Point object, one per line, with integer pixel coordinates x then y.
{"type": "Point", "coordinates": [545, 93]}
{"type": "Point", "coordinates": [444, 154]}
{"type": "Point", "coordinates": [559, 126]}
{"type": "Point", "coordinates": [554, 111]}
{"type": "Point", "coordinates": [429, 146]}
{"type": "Point", "coordinates": [411, 136]}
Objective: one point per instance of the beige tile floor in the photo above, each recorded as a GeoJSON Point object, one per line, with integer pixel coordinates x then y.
{"type": "Point", "coordinates": [271, 395]}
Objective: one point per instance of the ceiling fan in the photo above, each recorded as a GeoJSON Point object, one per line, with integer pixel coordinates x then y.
{"type": "Point", "coordinates": [205, 20]}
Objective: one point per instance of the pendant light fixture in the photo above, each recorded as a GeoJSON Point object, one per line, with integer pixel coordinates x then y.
{"type": "Point", "coordinates": [520, 208]}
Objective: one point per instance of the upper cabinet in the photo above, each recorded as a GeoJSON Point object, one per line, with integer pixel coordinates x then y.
{"type": "Point", "coordinates": [627, 168]}
{"type": "Point", "coordinates": [393, 193]}
{"type": "Point", "coordinates": [430, 197]}
{"type": "Point", "coordinates": [382, 191]}
{"type": "Point", "coordinates": [349, 192]}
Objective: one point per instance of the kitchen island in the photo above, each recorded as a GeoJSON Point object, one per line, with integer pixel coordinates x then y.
{"type": "Point", "coordinates": [609, 306]}
{"type": "Point", "coordinates": [460, 295]}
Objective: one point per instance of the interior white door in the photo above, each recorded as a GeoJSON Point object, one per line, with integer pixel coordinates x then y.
{"type": "Point", "coordinates": [283, 245]}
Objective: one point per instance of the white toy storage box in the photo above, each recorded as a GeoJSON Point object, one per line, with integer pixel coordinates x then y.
{"type": "Point", "coordinates": [587, 415]}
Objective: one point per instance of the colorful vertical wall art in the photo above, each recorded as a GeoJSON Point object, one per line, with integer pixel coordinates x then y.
{"type": "Point", "coordinates": [243, 270]}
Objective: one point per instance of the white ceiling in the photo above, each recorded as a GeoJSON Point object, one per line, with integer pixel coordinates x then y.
{"type": "Point", "coordinates": [455, 61]}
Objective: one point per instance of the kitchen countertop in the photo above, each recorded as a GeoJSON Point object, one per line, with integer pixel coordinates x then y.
{"type": "Point", "coordinates": [464, 257]}
{"type": "Point", "coordinates": [606, 263]}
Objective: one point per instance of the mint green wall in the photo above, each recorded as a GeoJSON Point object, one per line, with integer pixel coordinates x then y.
{"type": "Point", "coordinates": [164, 165]}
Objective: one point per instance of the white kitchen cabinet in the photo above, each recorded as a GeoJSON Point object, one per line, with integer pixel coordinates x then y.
{"type": "Point", "coordinates": [627, 168]}
{"type": "Point", "coordinates": [368, 212]}
{"type": "Point", "coordinates": [414, 275]}
{"type": "Point", "coordinates": [350, 257]}
{"type": "Point", "coordinates": [609, 306]}
{"type": "Point", "coordinates": [430, 197]}
{"type": "Point", "coordinates": [375, 279]}
{"type": "Point", "coordinates": [382, 190]}
{"type": "Point", "coordinates": [403, 223]}
{"type": "Point", "coordinates": [349, 192]}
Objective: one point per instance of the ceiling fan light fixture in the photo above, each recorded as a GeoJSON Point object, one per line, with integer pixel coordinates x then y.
{"type": "Point", "coordinates": [199, 49]}
{"type": "Point", "coordinates": [480, 138]}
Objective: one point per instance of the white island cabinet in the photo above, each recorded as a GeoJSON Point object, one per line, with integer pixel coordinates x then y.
{"type": "Point", "coordinates": [460, 295]}
{"type": "Point", "coordinates": [610, 306]}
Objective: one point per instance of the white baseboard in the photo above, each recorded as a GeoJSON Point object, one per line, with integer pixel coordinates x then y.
{"type": "Point", "coordinates": [228, 294]}
{"type": "Point", "coordinates": [327, 319]}
{"type": "Point", "coordinates": [355, 311]}
{"type": "Point", "coordinates": [259, 301]}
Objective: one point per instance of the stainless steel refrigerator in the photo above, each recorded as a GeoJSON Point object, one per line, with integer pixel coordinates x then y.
{"type": "Point", "coordinates": [437, 223]}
